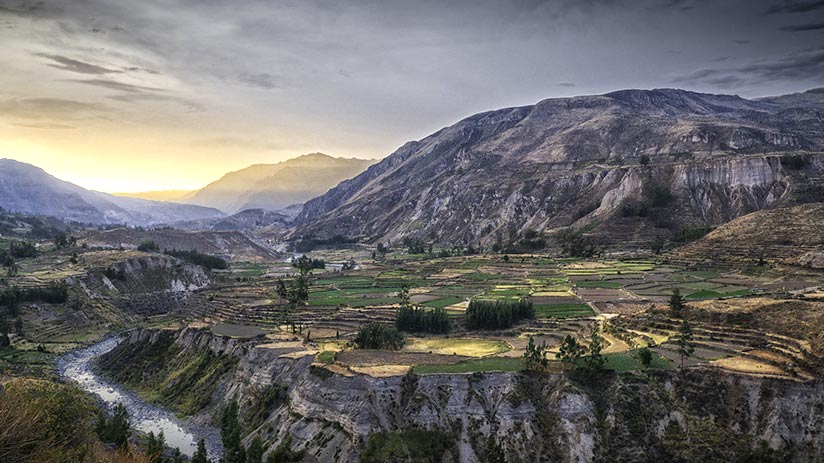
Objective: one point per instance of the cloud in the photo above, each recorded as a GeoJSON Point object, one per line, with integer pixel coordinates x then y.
{"type": "Point", "coordinates": [261, 80]}
{"type": "Point", "coordinates": [50, 113]}
{"type": "Point", "coordinates": [803, 65]}
{"type": "Point", "coordinates": [565, 84]}
{"type": "Point", "coordinates": [43, 125]}
{"type": "Point", "coordinates": [789, 6]}
{"type": "Point", "coordinates": [244, 143]}
{"type": "Point", "coordinates": [803, 27]}
{"type": "Point", "coordinates": [72, 65]}
{"type": "Point", "coordinates": [117, 85]}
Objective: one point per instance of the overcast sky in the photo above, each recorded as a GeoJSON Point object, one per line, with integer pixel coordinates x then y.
{"type": "Point", "coordinates": [150, 94]}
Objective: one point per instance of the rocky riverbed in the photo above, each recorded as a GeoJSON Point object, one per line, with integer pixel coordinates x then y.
{"type": "Point", "coordinates": [78, 366]}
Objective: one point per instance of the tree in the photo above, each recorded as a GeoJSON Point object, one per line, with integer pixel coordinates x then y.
{"type": "Point", "coordinates": [18, 326]}
{"type": "Point", "coordinates": [114, 430]}
{"type": "Point", "coordinates": [233, 451]}
{"type": "Point", "coordinates": [685, 345]}
{"type": "Point", "coordinates": [535, 355]}
{"type": "Point", "coordinates": [645, 356]}
{"type": "Point", "coordinates": [677, 302]}
{"type": "Point", "coordinates": [570, 352]}
{"type": "Point", "coordinates": [595, 361]}
{"type": "Point", "coordinates": [155, 446]}
{"type": "Point", "coordinates": [296, 291]}
{"type": "Point", "coordinates": [254, 454]}
{"type": "Point", "coordinates": [378, 336]}
{"type": "Point", "coordinates": [200, 454]}
{"type": "Point", "coordinates": [645, 160]}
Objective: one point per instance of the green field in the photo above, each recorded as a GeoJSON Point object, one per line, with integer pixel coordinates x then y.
{"type": "Point", "coordinates": [563, 310]}
{"type": "Point", "coordinates": [597, 284]}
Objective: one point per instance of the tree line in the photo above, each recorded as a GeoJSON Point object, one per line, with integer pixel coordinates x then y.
{"type": "Point", "coordinates": [494, 315]}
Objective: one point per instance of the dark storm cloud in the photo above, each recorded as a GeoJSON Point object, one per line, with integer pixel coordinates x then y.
{"type": "Point", "coordinates": [789, 6]}
{"type": "Point", "coordinates": [807, 64]}
{"type": "Point", "coordinates": [803, 27]}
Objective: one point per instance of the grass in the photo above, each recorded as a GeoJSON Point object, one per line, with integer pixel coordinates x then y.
{"type": "Point", "coordinates": [470, 347]}
{"type": "Point", "coordinates": [443, 302]}
{"type": "Point", "coordinates": [598, 284]}
{"type": "Point", "coordinates": [326, 357]}
{"type": "Point", "coordinates": [626, 361]}
{"type": "Point", "coordinates": [237, 331]}
{"type": "Point", "coordinates": [473, 366]}
{"type": "Point", "coordinates": [563, 310]}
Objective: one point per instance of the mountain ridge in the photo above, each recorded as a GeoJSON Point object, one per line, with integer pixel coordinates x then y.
{"type": "Point", "coordinates": [529, 166]}
{"type": "Point", "coordinates": [30, 189]}
{"type": "Point", "coordinates": [276, 186]}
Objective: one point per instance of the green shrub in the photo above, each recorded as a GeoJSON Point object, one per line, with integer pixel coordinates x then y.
{"type": "Point", "coordinates": [378, 336]}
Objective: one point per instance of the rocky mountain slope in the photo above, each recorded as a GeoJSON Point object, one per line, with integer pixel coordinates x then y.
{"type": "Point", "coordinates": [634, 163]}
{"type": "Point", "coordinates": [657, 416]}
{"type": "Point", "coordinates": [276, 186]}
{"type": "Point", "coordinates": [229, 244]}
{"type": "Point", "coordinates": [30, 190]}
{"type": "Point", "coordinates": [793, 235]}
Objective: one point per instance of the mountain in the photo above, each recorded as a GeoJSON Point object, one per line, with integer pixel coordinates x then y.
{"type": "Point", "coordinates": [162, 195]}
{"type": "Point", "coordinates": [625, 166]}
{"type": "Point", "coordinates": [28, 189]}
{"type": "Point", "coordinates": [276, 186]}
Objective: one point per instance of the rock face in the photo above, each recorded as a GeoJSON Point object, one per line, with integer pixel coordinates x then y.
{"type": "Point", "coordinates": [578, 161]}
{"type": "Point", "coordinates": [644, 417]}
{"type": "Point", "coordinates": [145, 285]}
{"type": "Point", "coordinates": [30, 190]}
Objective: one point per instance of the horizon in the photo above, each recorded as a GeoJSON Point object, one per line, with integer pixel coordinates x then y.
{"type": "Point", "coordinates": [141, 97]}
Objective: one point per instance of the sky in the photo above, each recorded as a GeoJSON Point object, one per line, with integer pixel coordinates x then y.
{"type": "Point", "coordinates": [125, 96]}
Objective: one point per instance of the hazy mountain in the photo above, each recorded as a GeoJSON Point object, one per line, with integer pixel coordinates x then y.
{"type": "Point", "coordinates": [29, 189]}
{"type": "Point", "coordinates": [276, 186]}
{"type": "Point", "coordinates": [162, 195]}
{"type": "Point", "coordinates": [578, 161]}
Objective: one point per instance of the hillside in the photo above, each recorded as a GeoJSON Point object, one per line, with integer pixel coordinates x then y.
{"type": "Point", "coordinates": [162, 195]}
{"type": "Point", "coordinates": [793, 235]}
{"type": "Point", "coordinates": [30, 190]}
{"type": "Point", "coordinates": [578, 161]}
{"type": "Point", "coordinates": [276, 186]}
{"type": "Point", "coordinates": [229, 244]}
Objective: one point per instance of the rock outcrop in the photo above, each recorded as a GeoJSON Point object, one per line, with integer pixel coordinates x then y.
{"type": "Point", "coordinates": [655, 416]}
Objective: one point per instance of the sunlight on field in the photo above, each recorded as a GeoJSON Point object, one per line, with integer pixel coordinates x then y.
{"type": "Point", "coordinates": [470, 347]}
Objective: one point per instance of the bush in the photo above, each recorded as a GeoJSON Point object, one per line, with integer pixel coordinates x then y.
{"type": "Point", "coordinates": [793, 161]}
{"type": "Point", "coordinates": [378, 336]}
{"type": "Point", "coordinates": [493, 315]}
{"type": "Point", "coordinates": [686, 233]}
{"type": "Point", "coordinates": [148, 246]}
{"type": "Point", "coordinates": [44, 422]}
{"type": "Point", "coordinates": [206, 261]}
{"type": "Point", "coordinates": [22, 249]}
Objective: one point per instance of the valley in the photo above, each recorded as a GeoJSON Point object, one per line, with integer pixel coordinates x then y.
{"type": "Point", "coordinates": [498, 291]}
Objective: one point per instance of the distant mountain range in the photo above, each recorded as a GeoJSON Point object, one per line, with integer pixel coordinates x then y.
{"type": "Point", "coordinates": [28, 189]}
{"type": "Point", "coordinates": [268, 186]}
{"type": "Point", "coordinates": [624, 166]}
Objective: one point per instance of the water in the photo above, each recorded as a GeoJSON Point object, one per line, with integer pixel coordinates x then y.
{"type": "Point", "coordinates": [145, 417]}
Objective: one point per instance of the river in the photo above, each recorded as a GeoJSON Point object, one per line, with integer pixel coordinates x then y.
{"type": "Point", "coordinates": [145, 417]}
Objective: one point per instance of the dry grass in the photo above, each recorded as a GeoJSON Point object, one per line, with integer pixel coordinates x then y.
{"type": "Point", "coordinates": [470, 347]}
